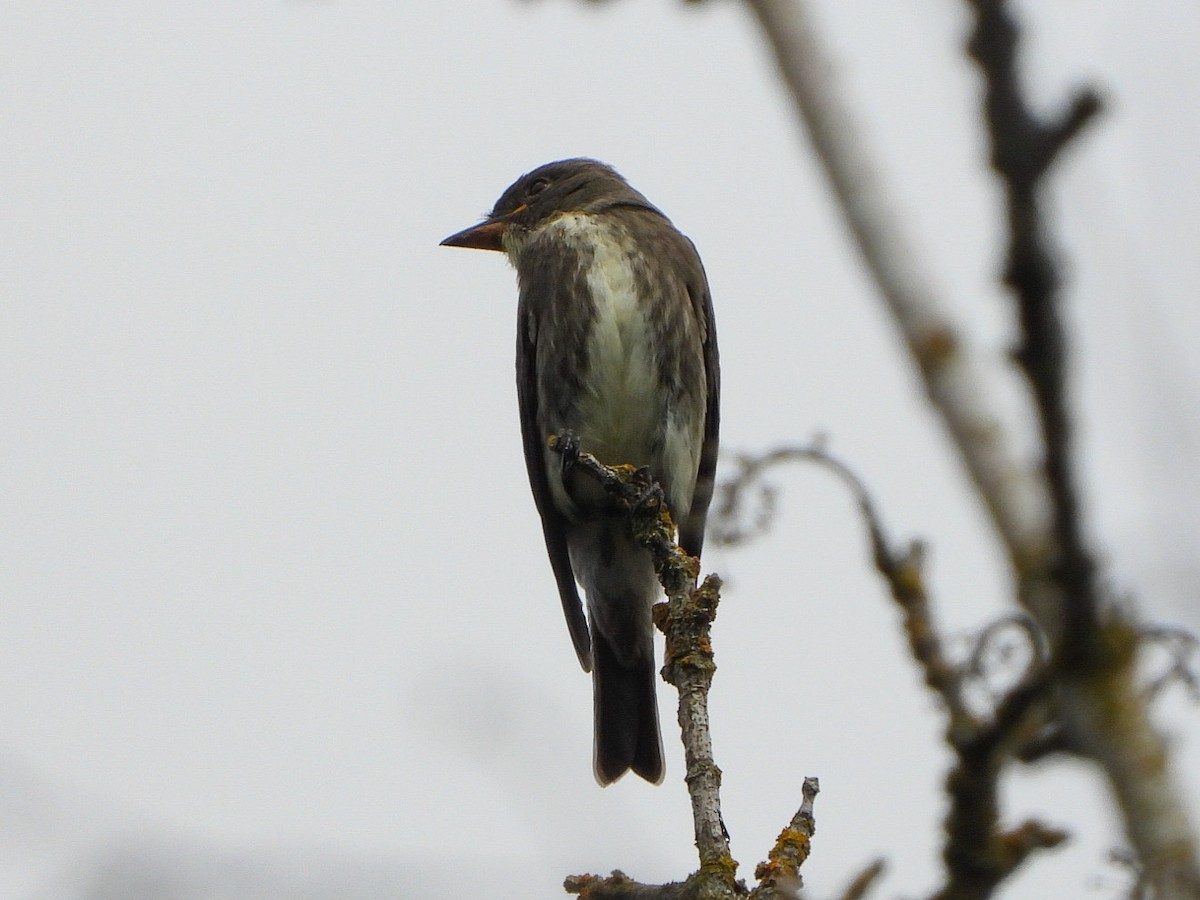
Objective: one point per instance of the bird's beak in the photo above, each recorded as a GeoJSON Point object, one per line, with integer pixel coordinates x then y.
{"type": "Point", "coordinates": [487, 235]}
{"type": "Point", "coordinates": [484, 236]}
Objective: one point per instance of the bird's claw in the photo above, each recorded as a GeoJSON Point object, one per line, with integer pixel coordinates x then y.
{"type": "Point", "coordinates": [567, 446]}
{"type": "Point", "coordinates": [651, 497]}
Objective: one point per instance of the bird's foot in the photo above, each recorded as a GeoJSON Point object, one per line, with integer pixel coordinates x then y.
{"type": "Point", "coordinates": [651, 496]}
{"type": "Point", "coordinates": [567, 446]}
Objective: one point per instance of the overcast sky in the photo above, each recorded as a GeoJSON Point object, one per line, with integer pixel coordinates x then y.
{"type": "Point", "coordinates": [277, 617]}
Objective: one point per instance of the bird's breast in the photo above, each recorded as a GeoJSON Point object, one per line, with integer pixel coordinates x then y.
{"type": "Point", "coordinates": [620, 408]}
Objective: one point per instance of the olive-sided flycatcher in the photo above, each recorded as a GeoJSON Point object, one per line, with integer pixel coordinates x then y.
{"type": "Point", "coordinates": [615, 346]}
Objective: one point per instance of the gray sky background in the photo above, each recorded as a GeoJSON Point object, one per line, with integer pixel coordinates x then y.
{"type": "Point", "coordinates": [277, 618]}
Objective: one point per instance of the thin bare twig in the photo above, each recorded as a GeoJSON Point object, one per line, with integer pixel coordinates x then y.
{"type": "Point", "coordinates": [901, 571]}
{"type": "Point", "coordinates": [978, 854]}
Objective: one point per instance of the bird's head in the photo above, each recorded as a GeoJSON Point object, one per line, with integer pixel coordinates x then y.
{"type": "Point", "coordinates": [549, 191]}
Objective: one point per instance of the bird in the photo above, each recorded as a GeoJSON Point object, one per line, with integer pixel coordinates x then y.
{"type": "Point", "coordinates": [616, 351]}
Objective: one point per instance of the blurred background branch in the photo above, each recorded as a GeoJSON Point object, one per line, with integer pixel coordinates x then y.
{"type": "Point", "coordinates": [1034, 507]}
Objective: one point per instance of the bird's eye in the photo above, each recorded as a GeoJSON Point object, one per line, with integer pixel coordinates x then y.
{"type": "Point", "coordinates": [538, 186]}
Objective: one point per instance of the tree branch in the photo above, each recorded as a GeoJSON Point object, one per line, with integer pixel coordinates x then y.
{"type": "Point", "coordinates": [686, 619]}
{"type": "Point", "coordinates": [1015, 498]}
{"type": "Point", "coordinates": [1022, 150]}
{"type": "Point", "coordinates": [1102, 711]}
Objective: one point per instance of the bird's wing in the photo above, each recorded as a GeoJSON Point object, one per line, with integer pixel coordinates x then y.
{"type": "Point", "coordinates": [691, 529]}
{"type": "Point", "coordinates": [554, 524]}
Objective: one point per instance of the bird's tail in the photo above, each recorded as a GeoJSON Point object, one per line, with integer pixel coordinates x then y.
{"type": "Point", "coordinates": [626, 715]}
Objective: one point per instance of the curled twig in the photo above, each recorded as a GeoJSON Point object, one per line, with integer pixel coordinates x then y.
{"type": "Point", "coordinates": [996, 648]}
{"type": "Point", "coordinates": [901, 570]}
{"type": "Point", "coordinates": [1183, 656]}
{"type": "Point", "coordinates": [735, 517]}
{"type": "Point", "coordinates": [1034, 641]}
{"type": "Point", "coordinates": [1137, 886]}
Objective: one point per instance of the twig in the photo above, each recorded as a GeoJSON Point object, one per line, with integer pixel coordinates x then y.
{"type": "Point", "coordinates": [902, 572]}
{"type": "Point", "coordinates": [779, 877]}
{"type": "Point", "coordinates": [978, 854]}
{"type": "Point", "coordinates": [864, 881]}
{"type": "Point", "coordinates": [976, 666]}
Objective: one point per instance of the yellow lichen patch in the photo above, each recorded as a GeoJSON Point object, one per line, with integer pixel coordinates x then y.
{"type": "Point", "coordinates": [793, 838]}
{"type": "Point", "coordinates": [789, 853]}
{"type": "Point", "coordinates": [579, 884]}
{"type": "Point", "coordinates": [724, 867]}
